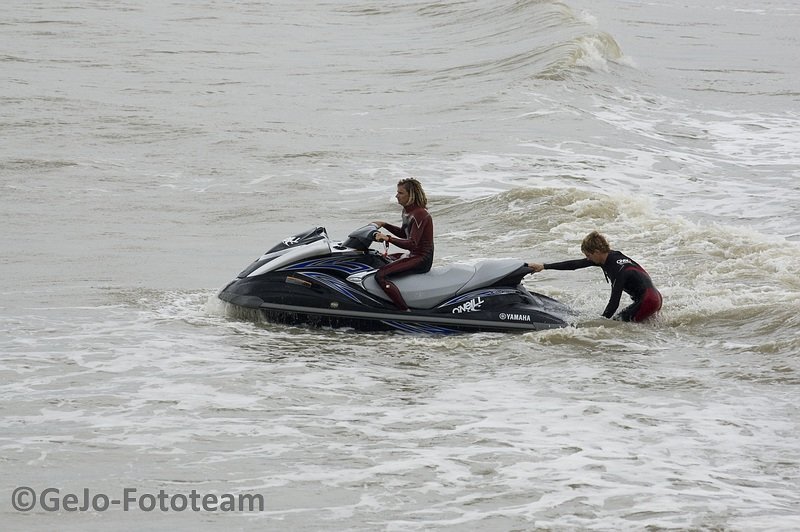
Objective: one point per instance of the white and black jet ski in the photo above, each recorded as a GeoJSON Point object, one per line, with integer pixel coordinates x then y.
{"type": "Point", "coordinates": [310, 279]}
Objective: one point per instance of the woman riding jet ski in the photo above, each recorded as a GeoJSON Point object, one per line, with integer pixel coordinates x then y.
{"type": "Point", "coordinates": [310, 279]}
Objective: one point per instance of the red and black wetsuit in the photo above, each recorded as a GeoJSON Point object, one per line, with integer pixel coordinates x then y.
{"type": "Point", "coordinates": [416, 236]}
{"type": "Point", "coordinates": [625, 275]}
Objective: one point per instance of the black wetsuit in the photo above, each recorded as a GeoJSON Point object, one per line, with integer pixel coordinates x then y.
{"type": "Point", "coordinates": [416, 236]}
{"type": "Point", "coordinates": [625, 275]}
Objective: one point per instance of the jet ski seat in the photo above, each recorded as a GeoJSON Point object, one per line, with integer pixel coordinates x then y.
{"type": "Point", "coordinates": [426, 290]}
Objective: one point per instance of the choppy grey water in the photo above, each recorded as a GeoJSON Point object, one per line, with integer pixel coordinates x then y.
{"type": "Point", "coordinates": [150, 150]}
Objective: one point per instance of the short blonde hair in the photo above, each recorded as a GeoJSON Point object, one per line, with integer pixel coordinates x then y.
{"type": "Point", "coordinates": [416, 196]}
{"type": "Point", "coordinates": [594, 241]}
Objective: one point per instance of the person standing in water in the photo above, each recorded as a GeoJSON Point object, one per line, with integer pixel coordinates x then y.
{"type": "Point", "coordinates": [624, 274]}
{"type": "Point", "coordinates": [414, 235]}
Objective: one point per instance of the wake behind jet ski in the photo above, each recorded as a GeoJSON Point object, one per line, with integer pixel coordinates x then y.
{"type": "Point", "coordinates": [310, 279]}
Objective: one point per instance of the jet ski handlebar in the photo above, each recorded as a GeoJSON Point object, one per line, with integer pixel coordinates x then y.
{"type": "Point", "coordinates": [362, 238]}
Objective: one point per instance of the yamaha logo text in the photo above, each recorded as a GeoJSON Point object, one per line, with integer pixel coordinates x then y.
{"type": "Point", "coordinates": [515, 317]}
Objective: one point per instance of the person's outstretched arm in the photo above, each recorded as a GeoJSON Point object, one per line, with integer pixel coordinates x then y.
{"type": "Point", "coordinates": [565, 265]}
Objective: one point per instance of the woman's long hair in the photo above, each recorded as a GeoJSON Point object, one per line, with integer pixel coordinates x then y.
{"type": "Point", "coordinates": [416, 196]}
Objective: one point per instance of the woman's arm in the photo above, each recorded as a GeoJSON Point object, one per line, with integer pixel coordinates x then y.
{"type": "Point", "coordinates": [420, 235]}
{"type": "Point", "coordinates": [396, 231]}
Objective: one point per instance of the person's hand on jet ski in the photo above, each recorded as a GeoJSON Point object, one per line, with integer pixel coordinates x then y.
{"type": "Point", "coordinates": [380, 237]}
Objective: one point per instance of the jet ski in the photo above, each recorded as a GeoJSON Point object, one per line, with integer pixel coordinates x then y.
{"type": "Point", "coordinates": [310, 279]}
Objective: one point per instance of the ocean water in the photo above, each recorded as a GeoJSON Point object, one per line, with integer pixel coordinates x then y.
{"type": "Point", "coordinates": [150, 150]}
